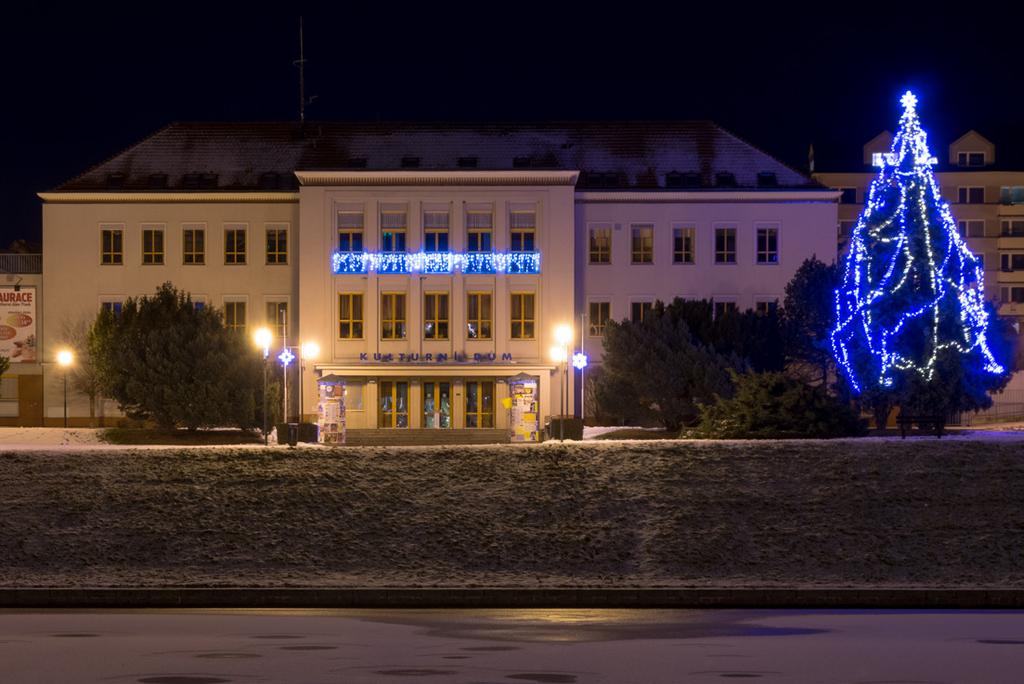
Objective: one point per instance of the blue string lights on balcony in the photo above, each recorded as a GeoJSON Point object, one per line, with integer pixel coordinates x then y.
{"type": "Point", "coordinates": [435, 262]}
{"type": "Point", "coordinates": [911, 286]}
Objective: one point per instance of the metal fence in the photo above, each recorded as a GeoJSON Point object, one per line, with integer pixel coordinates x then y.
{"type": "Point", "coordinates": [21, 263]}
{"type": "Point", "coordinates": [1006, 406]}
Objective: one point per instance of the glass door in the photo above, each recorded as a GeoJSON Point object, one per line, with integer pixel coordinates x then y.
{"type": "Point", "coordinates": [437, 404]}
{"type": "Point", "coordinates": [394, 404]}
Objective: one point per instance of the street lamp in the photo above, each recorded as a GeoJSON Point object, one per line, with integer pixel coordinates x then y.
{"type": "Point", "coordinates": [560, 354]}
{"type": "Point", "coordinates": [65, 358]}
{"type": "Point", "coordinates": [263, 337]}
{"type": "Point", "coordinates": [309, 351]}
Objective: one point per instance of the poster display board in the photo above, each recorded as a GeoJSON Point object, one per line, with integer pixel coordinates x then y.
{"type": "Point", "coordinates": [524, 394]}
{"type": "Point", "coordinates": [18, 324]}
{"type": "Point", "coordinates": [331, 410]}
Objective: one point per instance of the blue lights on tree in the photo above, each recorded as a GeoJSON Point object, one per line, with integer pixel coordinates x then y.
{"type": "Point", "coordinates": [912, 291]}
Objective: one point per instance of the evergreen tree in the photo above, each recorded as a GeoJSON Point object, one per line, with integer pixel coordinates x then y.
{"type": "Point", "coordinates": [912, 326]}
{"type": "Point", "coordinates": [809, 313]}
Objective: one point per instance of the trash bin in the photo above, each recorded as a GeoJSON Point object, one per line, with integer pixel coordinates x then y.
{"type": "Point", "coordinates": [293, 434]}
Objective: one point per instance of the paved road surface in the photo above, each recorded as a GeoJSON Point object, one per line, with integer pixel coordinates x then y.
{"type": "Point", "coordinates": [510, 646]}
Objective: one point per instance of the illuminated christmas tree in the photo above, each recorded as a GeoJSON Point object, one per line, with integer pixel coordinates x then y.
{"type": "Point", "coordinates": [911, 309]}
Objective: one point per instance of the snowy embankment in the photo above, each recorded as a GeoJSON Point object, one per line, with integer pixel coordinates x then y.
{"type": "Point", "coordinates": [922, 512]}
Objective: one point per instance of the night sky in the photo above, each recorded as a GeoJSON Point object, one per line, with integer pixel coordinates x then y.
{"type": "Point", "coordinates": [81, 85]}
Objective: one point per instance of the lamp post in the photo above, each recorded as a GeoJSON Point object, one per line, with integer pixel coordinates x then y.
{"type": "Point", "coordinates": [65, 358]}
{"type": "Point", "coordinates": [560, 354]}
{"type": "Point", "coordinates": [263, 337]}
{"type": "Point", "coordinates": [309, 351]}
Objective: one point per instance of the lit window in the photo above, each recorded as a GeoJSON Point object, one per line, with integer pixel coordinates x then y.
{"type": "Point", "coordinates": [350, 315]}
{"type": "Point", "coordinates": [478, 315]}
{"type": "Point", "coordinates": [523, 225]}
{"type": "Point", "coordinates": [435, 316]}
{"type": "Point", "coordinates": [523, 315]}
{"type": "Point", "coordinates": [725, 245]}
{"type": "Point", "coordinates": [277, 245]}
{"type": "Point", "coordinates": [392, 316]}
{"type": "Point", "coordinates": [435, 231]}
{"type": "Point", "coordinates": [767, 245]}
{"type": "Point", "coordinates": [350, 231]}
{"type": "Point", "coordinates": [643, 244]}
{"type": "Point", "coordinates": [394, 404]}
{"type": "Point", "coordinates": [112, 246]}
{"type": "Point", "coordinates": [600, 245]}
{"type": "Point", "coordinates": [640, 311]}
{"type": "Point", "coordinates": [392, 231]}
{"type": "Point", "coordinates": [480, 404]}
{"type": "Point", "coordinates": [683, 245]}
{"type": "Point", "coordinates": [277, 318]}
{"type": "Point", "coordinates": [234, 245]}
{"type": "Point", "coordinates": [152, 246]}
{"type": "Point", "coordinates": [479, 228]}
{"type": "Point", "coordinates": [193, 245]}
{"type": "Point", "coordinates": [600, 314]}
{"type": "Point", "coordinates": [234, 316]}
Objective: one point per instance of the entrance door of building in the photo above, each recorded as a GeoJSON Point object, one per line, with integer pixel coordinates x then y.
{"type": "Point", "coordinates": [437, 404]}
{"type": "Point", "coordinates": [394, 404]}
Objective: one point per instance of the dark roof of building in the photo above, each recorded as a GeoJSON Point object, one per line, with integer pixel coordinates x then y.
{"type": "Point", "coordinates": [610, 155]}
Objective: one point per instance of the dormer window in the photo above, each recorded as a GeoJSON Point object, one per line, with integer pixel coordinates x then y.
{"type": "Point", "coordinates": [970, 159]}
{"type": "Point", "coordinates": [725, 179]}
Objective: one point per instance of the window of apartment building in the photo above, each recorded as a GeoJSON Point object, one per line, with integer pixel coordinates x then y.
{"type": "Point", "coordinates": [393, 226]}
{"type": "Point", "coordinates": [640, 311]}
{"type": "Point", "coordinates": [234, 245]}
{"type": "Point", "coordinates": [112, 245]}
{"type": "Point", "coordinates": [478, 315]}
{"type": "Point", "coordinates": [277, 318]}
{"type": "Point", "coordinates": [1012, 228]}
{"type": "Point", "coordinates": [152, 245]}
{"type": "Point", "coordinates": [725, 245]}
{"type": "Point", "coordinates": [601, 245]}
{"type": "Point", "coordinates": [479, 229]}
{"type": "Point", "coordinates": [970, 159]}
{"type": "Point", "coordinates": [684, 242]}
{"type": "Point", "coordinates": [767, 245]}
{"type": "Point", "coordinates": [523, 315]}
{"type": "Point", "coordinates": [392, 315]}
{"type": "Point", "coordinates": [435, 231]}
{"type": "Point", "coordinates": [971, 195]}
{"type": "Point", "coordinates": [350, 231]}
{"type": "Point", "coordinates": [234, 315]}
{"type": "Point", "coordinates": [1011, 194]}
{"type": "Point", "coordinates": [642, 244]}
{"type": "Point", "coordinates": [277, 245]}
{"type": "Point", "coordinates": [723, 308]}
{"type": "Point", "coordinates": [114, 306]}
{"type": "Point", "coordinates": [350, 315]}
{"type": "Point", "coordinates": [846, 228]}
{"type": "Point", "coordinates": [764, 307]}
{"type": "Point", "coordinates": [435, 316]}
{"type": "Point", "coordinates": [969, 229]}
{"type": "Point", "coordinates": [598, 316]}
{"type": "Point", "coordinates": [1012, 295]}
{"type": "Point", "coordinates": [523, 230]}
{"type": "Point", "coordinates": [848, 196]}
{"type": "Point", "coordinates": [193, 245]}
{"type": "Point", "coordinates": [1011, 261]}
{"type": "Point", "coordinates": [480, 404]}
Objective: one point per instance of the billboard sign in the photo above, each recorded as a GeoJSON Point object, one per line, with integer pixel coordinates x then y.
{"type": "Point", "coordinates": [18, 324]}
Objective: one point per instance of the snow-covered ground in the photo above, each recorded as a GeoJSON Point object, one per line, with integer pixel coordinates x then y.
{"type": "Point", "coordinates": [919, 512]}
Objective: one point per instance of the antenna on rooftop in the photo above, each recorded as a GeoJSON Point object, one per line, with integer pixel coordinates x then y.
{"type": "Point", "coordinates": [301, 63]}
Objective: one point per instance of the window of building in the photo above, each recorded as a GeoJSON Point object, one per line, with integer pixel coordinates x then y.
{"type": "Point", "coordinates": [350, 231]}
{"type": "Point", "coordinates": [392, 316]}
{"type": "Point", "coordinates": [725, 245]}
{"type": "Point", "coordinates": [234, 245]}
{"type": "Point", "coordinates": [765, 306]}
{"type": "Point", "coordinates": [393, 227]}
{"type": "Point", "coordinates": [478, 315]}
{"type": "Point", "coordinates": [767, 245]}
{"type": "Point", "coordinates": [725, 308]}
{"type": "Point", "coordinates": [600, 245]}
{"type": "Point", "coordinates": [111, 245]}
{"type": "Point", "coordinates": [523, 315]}
{"type": "Point", "coordinates": [849, 196]}
{"type": "Point", "coordinates": [971, 195]}
{"type": "Point", "coordinates": [523, 227]}
{"type": "Point", "coordinates": [846, 228]}
{"type": "Point", "coordinates": [599, 315]}
{"type": "Point", "coordinates": [684, 241]}
{"type": "Point", "coordinates": [640, 311]}
{"type": "Point", "coordinates": [152, 246]}
{"type": "Point", "coordinates": [1012, 261]}
{"type": "Point", "coordinates": [277, 245]}
{"type": "Point", "coordinates": [479, 228]}
{"type": "Point", "coordinates": [1011, 194]}
{"type": "Point", "coordinates": [643, 244]}
{"type": "Point", "coordinates": [193, 241]}
{"type": "Point", "coordinates": [480, 404]}
{"type": "Point", "coordinates": [970, 159]}
{"type": "Point", "coordinates": [1012, 228]}
{"type": "Point", "coordinates": [435, 231]}
{"type": "Point", "coordinates": [435, 316]}
{"type": "Point", "coordinates": [277, 318]}
{"type": "Point", "coordinates": [971, 228]}
{"type": "Point", "coordinates": [1012, 295]}
{"type": "Point", "coordinates": [234, 316]}
{"type": "Point", "coordinates": [394, 404]}
{"type": "Point", "coordinates": [114, 306]}
{"type": "Point", "coordinates": [350, 315]}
